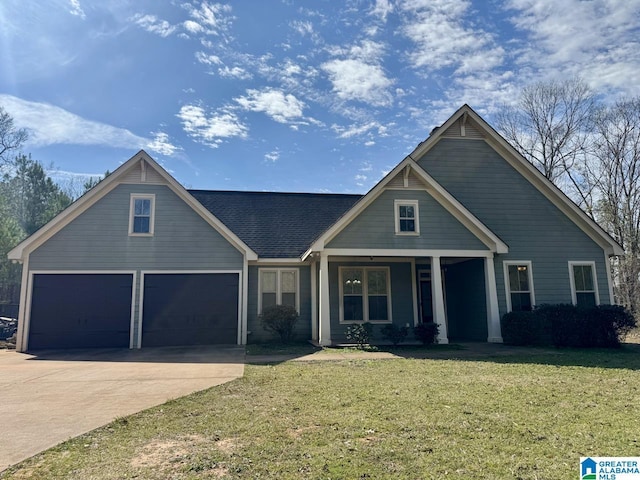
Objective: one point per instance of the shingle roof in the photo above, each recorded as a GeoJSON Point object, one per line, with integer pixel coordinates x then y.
{"type": "Point", "coordinates": [276, 225]}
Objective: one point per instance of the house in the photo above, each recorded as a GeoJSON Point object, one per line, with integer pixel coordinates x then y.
{"type": "Point", "coordinates": [461, 231]}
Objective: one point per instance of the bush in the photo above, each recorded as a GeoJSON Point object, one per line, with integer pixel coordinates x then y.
{"type": "Point", "coordinates": [394, 333]}
{"type": "Point", "coordinates": [518, 328]}
{"type": "Point", "coordinates": [360, 334]}
{"type": "Point", "coordinates": [566, 325]}
{"type": "Point", "coordinates": [427, 333]}
{"type": "Point", "coordinates": [281, 320]}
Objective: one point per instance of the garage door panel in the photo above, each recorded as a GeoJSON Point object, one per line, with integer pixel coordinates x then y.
{"type": "Point", "coordinates": [80, 310]}
{"type": "Point", "coordinates": [190, 309]}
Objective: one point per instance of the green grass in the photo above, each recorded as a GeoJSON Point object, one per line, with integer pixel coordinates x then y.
{"type": "Point", "coordinates": [529, 415]}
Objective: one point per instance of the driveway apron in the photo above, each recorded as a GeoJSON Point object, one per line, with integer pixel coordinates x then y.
{"type": "Point", "coordinates": [52, 396]}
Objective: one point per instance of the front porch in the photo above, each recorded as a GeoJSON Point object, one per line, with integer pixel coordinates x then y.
{"type": "Point", "coordinates": [455, 289]}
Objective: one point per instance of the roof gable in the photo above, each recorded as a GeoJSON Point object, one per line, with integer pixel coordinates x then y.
{"type": "Point", "coordinates": [409, 170]}
{"type": "Point", "coordinates": [140, 168]}
{"type": "Point", "coordinates": [466, 123]}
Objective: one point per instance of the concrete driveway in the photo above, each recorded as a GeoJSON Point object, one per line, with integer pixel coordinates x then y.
{"type": "Point", "coordinates": [52, 396]}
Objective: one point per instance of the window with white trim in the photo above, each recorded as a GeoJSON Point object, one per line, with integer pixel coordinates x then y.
{"type": "Point", "coordinates": [406, 217]}
{"type": "Point", "coordinates": [365, 294]}
{"type": "Point", "coordinates": [278, 286]}
{"type": "Point", "coordinates": [519, 286]}
{"type": "Point", "coordinates": [584, 288]}
{"type": "Point", "coordinates": [142, 214]}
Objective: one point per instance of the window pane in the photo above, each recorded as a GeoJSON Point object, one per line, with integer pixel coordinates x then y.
{"type": "Point", "coordinates": [583, 277]}
{"type": "Point", "coordinates": [586, 299]}
{"type": "Point", "coordinates": [378, 307]}
{"type": "Point", "coordinates": [268, 300]}
{"type": "Point", "coordinates": [140, 224]}
{"type": "Point", "coordinates": [269, 282]}
{"type": "Point", "coordinates": [288, 280]}
{"type": "Point", "coordinates": [353, 307]}
{"type": "Point", "coordinates": [142, 206]}
{"type": "Point", "coordinates": [407, 225]}
{"type": "Point", "coordinates": [519, 278]}
{"type": "Point", "coordinates": [289, 299]}
{"type": "Point", "coordinates": [377, 282]}
{"type": "Point", "coordinates": [352, 282]}
{"type": "Point", "coordinates": [521, 302]}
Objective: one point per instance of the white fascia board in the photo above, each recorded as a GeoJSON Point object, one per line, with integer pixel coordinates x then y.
{"type": "Point", "coordinates": [391, 252]}
{"type": "Point", "coordinates": [278, 261]}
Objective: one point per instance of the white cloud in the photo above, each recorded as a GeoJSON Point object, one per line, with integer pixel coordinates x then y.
{"type": "Point", "coordinates": [382, 9]}
{"type": "Point", "coordinates": [192, 27]}
{"type": "Point", "coordinates": [212, 18]}
{"type": "Point", "coordinates": [442, 38]}
{"type": "Point", "coordinates": [234, 72]}
{"type": "Point", "coordinates": [51, 125]}
{"type": "Point", "coordinates": [281, 107]}
{"type": "Point", "coordinates": [273, 156]}
{"type": "Point", "coordinates": [597, 40]}
{"type": "Point", "coordinates": [302, 27]}
{"type": "Point", "coordinates": [357, 80]}
{"type": "Point", "coordinates": [213, 129]}
{"type": "Point", "coordinates": [360, 76]}
{"type": "Point", "coordinates": [208, 59]}
{"type": "Point", "coordinates": [153, 24]}
{"type": "Point", "coordinates": [76, 9]}
{"type": "Point", "coordinates": [161, 144]}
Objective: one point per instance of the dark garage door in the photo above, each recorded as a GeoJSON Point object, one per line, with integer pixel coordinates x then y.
{"type": "Point", "coordinates": [190, 309]}
{"type": "Point", "coordinates": [80, 311]}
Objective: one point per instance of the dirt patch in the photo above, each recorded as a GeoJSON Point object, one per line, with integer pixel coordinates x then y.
{"type": "Point", "coordinates": [299, 431]}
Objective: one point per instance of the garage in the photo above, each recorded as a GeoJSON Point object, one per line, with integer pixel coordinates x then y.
{"type": "Point", "coordinates": [190, 309]}
{"type": "Point", "coordinates": [80, 310]}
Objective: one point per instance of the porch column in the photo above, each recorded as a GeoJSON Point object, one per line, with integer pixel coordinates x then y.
{"type": "Point", "coordinates": [437, 293]}
{"type": "Point", "coordinates": [325, 318]}
{"type": "Point", "coordinates": [314, 301]}
{"type": "Point", "coordinates": [493, 314]}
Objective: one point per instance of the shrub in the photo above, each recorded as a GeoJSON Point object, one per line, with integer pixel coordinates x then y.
{"type": "Point", "coordinates": [360, 333]}
{"type": "Point", "coordinates": [280, 319]}
{"type": "Point", "coordinates": [566, 325]}
{"type": "Point", "coordinates": [518, 328]}
{"type": "Point", "coordinates": [427, 333]}
{"type": "Point", "coordinates": [394, 333]}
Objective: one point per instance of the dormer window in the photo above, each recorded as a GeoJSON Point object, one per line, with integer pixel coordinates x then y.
{"type": "Point", "coordinates": [407, 218]}
{"type": "Point", "coordinates": [141, 215]}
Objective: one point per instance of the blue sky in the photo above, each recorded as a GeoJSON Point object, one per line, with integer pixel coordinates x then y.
{"type": "Point", "coordinates": [285, 95]}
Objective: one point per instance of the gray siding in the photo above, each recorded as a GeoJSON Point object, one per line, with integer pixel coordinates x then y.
{"type": "Point", "coordinates": [303, 328]}
{"type": "Point", "coordinates": [532, 227]}
{"type": "Point", "coordinates": [402, 302]}
{"type": "Point", "coordinates": [99, 239]}
{"type": "Point", "coordinates": [375, 226]}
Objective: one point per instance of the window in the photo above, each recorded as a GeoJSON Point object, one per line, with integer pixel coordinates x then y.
{"type": "Point", "coordinates": [278, 287]}
{"type": "Point", "coordinates": [407, 218]}
{"type": "Point", "coordinates": [519, 286]}
{"type": "Point", "coordinates": [141, 214]}
{"type": "Point", "coordinates": [365, 294]}
{"type": "Point", "coordinates": [584, 289]}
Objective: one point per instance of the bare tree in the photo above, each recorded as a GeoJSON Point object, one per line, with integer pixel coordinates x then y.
{"type": "Point", "coordinates": [11, 138]}
{"type": "Point", "coordinates": [615, 174]}
{"type": "Point", "coordinates": [550, 127]}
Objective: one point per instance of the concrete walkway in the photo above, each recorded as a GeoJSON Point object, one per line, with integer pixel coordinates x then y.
{"type": "Point", "coordinates": [48, 398]}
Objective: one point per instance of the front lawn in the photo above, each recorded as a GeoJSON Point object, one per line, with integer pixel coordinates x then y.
{"type": "Point", "coordinates": [517, 416]}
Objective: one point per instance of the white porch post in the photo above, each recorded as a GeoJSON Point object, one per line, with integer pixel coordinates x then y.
{"type": "Point", "coordinates": [325, 318]}
{"type": "Point", "coordinates": [439, 315]}
{"type": "Point", "coordinates": [493, 314]}
{"type": "Point", "coordinates": [314, 301]}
